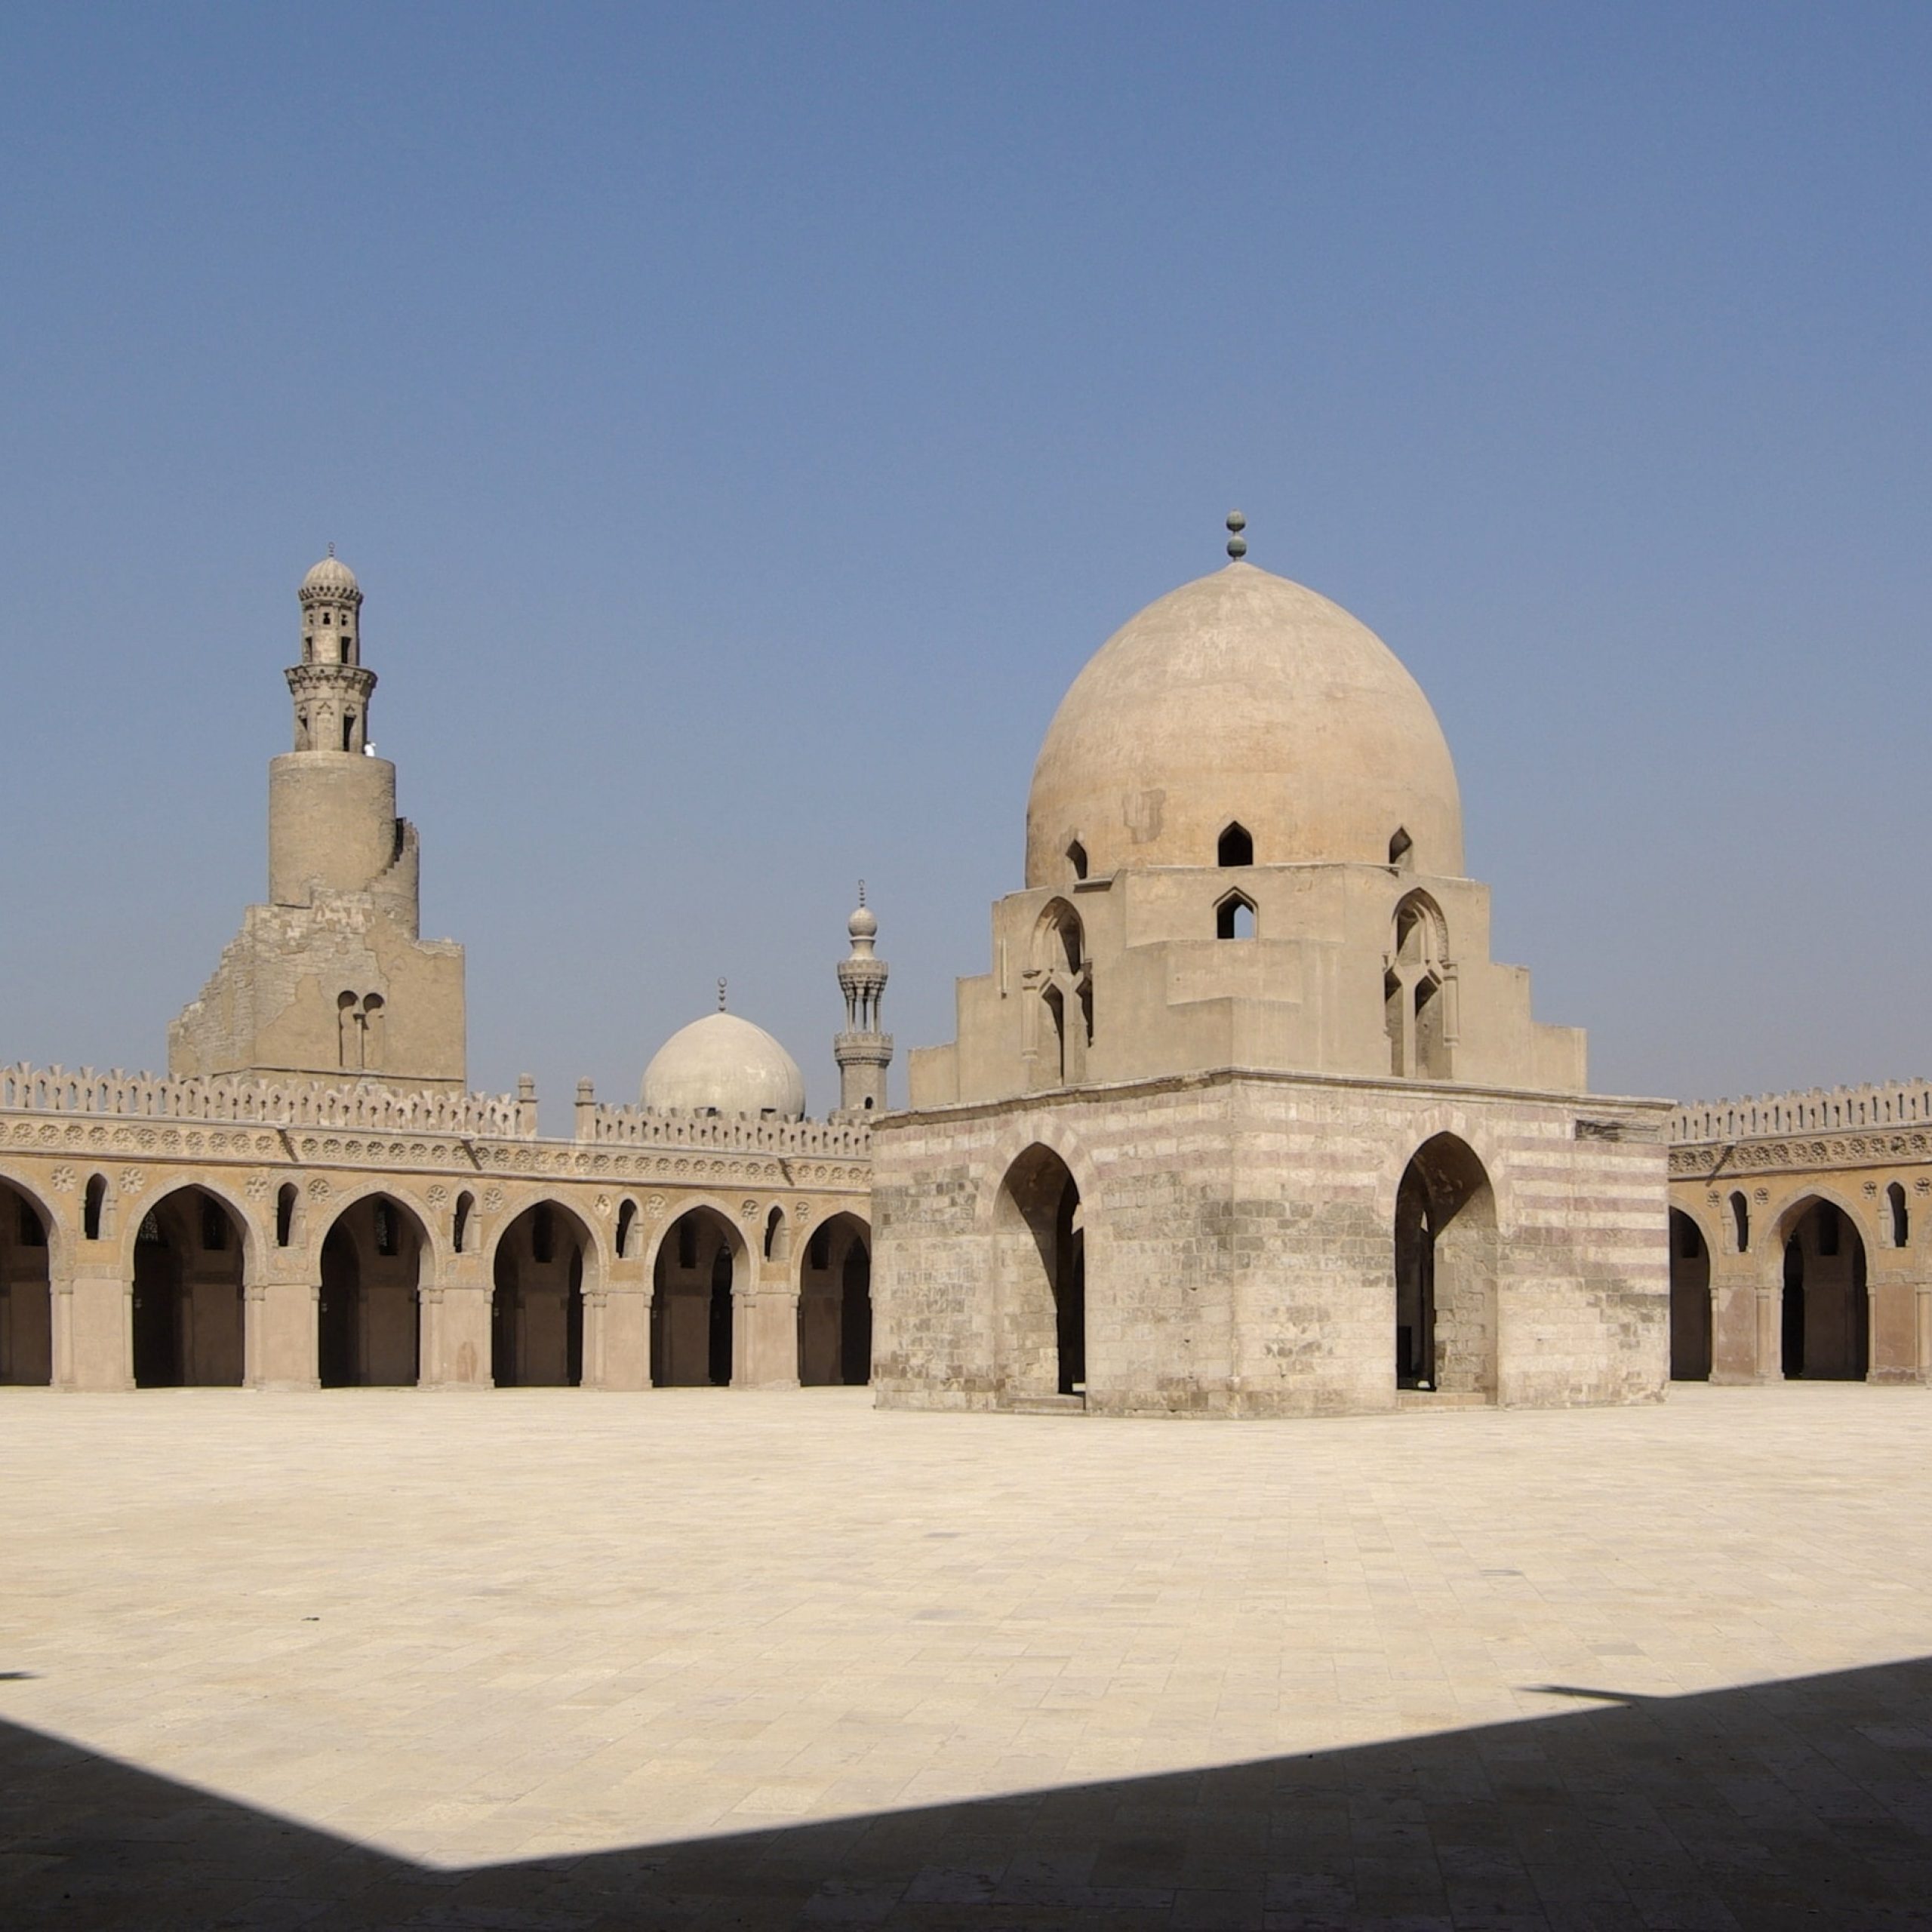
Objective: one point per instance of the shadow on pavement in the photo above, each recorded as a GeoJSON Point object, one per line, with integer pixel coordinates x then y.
{"type": "Point", "coordinates": [1806, 1802]}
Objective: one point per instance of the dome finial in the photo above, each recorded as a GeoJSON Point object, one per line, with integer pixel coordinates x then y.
{"type": "Point", "coordinates": [861, 892]}
{"type": "Point", "coordinates": [1237, 543]}
{"type": "Point", "coordinates": [720, 996]}
{"type": "Point", "coordinates": [331, 549]}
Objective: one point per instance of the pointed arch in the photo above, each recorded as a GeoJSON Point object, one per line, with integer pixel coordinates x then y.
{"type": "Point", "coordinates": [1825, 1329]}
{"type": "Point", "coordinates": [1447, 1258]}
{"type": "Point", "coordinates": [1235, 917]}
{"type": "Point", "coordinates": [834, 1302]}
{"type": "Point", "coordinates": [188, 1257]}
{"type": "Point", "coordinates": [369, 1315]}
{"type": "Point", "coordinates": [1418, 991]}
{"type": "Point", "coordinates": [26, 1291]}
{"type": "Point", "coordinates": [1040, 1280]}
{"type": "Point", "coordinates": [1058, 1022]}
{"type": "Point", "coordinates": [538, 1267]}
{"type": "Point", "coordinates": [1690, 1323]}
{"type": "Point", "coordinates": [1236, 846]}
{"type": "Point", "coordinates": [703, 1261]}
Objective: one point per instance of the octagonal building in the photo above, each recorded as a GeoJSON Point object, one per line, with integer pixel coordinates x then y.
{"type": "Point", "coordinates": [1245, 1120]}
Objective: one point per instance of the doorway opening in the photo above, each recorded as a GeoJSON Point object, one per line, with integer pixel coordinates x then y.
{"type": "Point", "coordinates": [1446, 1262]}
{"type": "Point", "coordinates": [1040, 1262]}
{"type": "Point", "coordinates": [188, 1299]}
{"type": "Point", "coordinates": [835, 1305]}
{"type": "Point", "coordinates": [536, 1312]}
{"type": "Point", "coordinates": [692, 1315]}
{"type": "Point", "coordinates": [369, 1319]}
{"type": "Point", "coordinates": [1827, 1309]}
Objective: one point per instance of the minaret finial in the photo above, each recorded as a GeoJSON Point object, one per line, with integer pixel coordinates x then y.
{"type": "Point", "coordinates": [720, 996]}
{"type": "Point", "coordinates": [331, 549]}
{"type": "Point", "coordinates": [1237, 543]}
{"type": "Point", "coordinates": [861, 892]}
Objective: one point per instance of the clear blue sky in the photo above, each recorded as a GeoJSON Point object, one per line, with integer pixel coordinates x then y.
{"type": "Point", "coordinates": [745, 422]}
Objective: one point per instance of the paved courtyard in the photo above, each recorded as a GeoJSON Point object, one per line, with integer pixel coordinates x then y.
{"type": "Point", "coordinates": [542, 1658]}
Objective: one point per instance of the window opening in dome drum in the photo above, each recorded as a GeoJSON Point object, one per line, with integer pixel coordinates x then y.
{"type": "Point", "coordinates": [1236, 847]}
{"type": "Point", "coordinates": [1076, 857]}
{"type": "Point", "coordinates": [1400, 846]}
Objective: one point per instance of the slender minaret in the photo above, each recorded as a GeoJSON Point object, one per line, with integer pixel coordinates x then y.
{"type": "Point", "coordinates": [863, 1051]}
{"type": "Point", "coordinates": [332, 822]}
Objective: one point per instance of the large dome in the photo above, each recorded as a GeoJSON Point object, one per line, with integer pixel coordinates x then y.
{"type": "Point", "coordinates": [722, 1064]}
{"type": "Point", "coordinates": [1242, 699]}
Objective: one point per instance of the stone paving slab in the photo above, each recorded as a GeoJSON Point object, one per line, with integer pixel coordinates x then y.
{"type": "Point", "coordinates": [712, 1658]}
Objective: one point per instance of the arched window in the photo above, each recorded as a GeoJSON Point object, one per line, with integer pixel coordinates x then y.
{"type": "Point", "coordinates": [1234, 918]}
{"type": "Point", "coordinates": [1400, 846]}
{"type": "Point", "coordinates": [97, 1199]}
{"type": "Point", "coordinates": [1418, 992]}
{"type": "Point", "coordinates": [1236, 847]}
{"type": "Point", "coordinates": [1076, 857]}
{"type": "Point", "coordinates": [465, 1205]}
{"type": "Point", "coordinates": [1740, 1219]}
{"type": "Point", "coordinates": [1828, 1229]}
{"type": "Point", "coordinates": [1060, 1027]}
{"type": "Point", "coordinates": [372, 1010]}
{"type": "Point", "coordinates": [626, 1220]}
{"type": "Point", "coordinates": [1900, 1219]}
{"type": "Point", "coordinates": [348, 730]}
{"type": "Point", "coordinates": [774, 1224]}
{"type": "Point", "coordinates": [284, 1214]}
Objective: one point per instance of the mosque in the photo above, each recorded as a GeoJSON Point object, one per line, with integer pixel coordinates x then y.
{"type": "Point", "coordinates": [312, 1198]}
{"type": "Point", "coordinates": [1242, 1120]}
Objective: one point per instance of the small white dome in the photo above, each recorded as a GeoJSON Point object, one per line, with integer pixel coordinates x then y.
{"type": "Point", "coordinates": [722, 1064]}
{"type": "Point", "coordinates": [331, 578]}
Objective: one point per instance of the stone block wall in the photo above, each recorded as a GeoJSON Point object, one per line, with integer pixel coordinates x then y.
{"type": "Point", "coordinates": [1239, 1244]}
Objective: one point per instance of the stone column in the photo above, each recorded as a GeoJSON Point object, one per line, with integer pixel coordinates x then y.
{"type": "Point", "coordinates": [280, 1340]}
{"type": "Point", "coordinates": [772, 1318]}
{"type": "Point", "coordinates": [1893, 1315]}
{"type": "Point", "coordinates": [93, 1321]}
{"type": "Point", "coordinates": [460, 1328]}
{"type": "Point", "coordinates": [1737, 1346]}
{"type": "Point", "coordinates": [623, 1327]}
{"type": "Point", "coordinates": [1771, 1333]}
